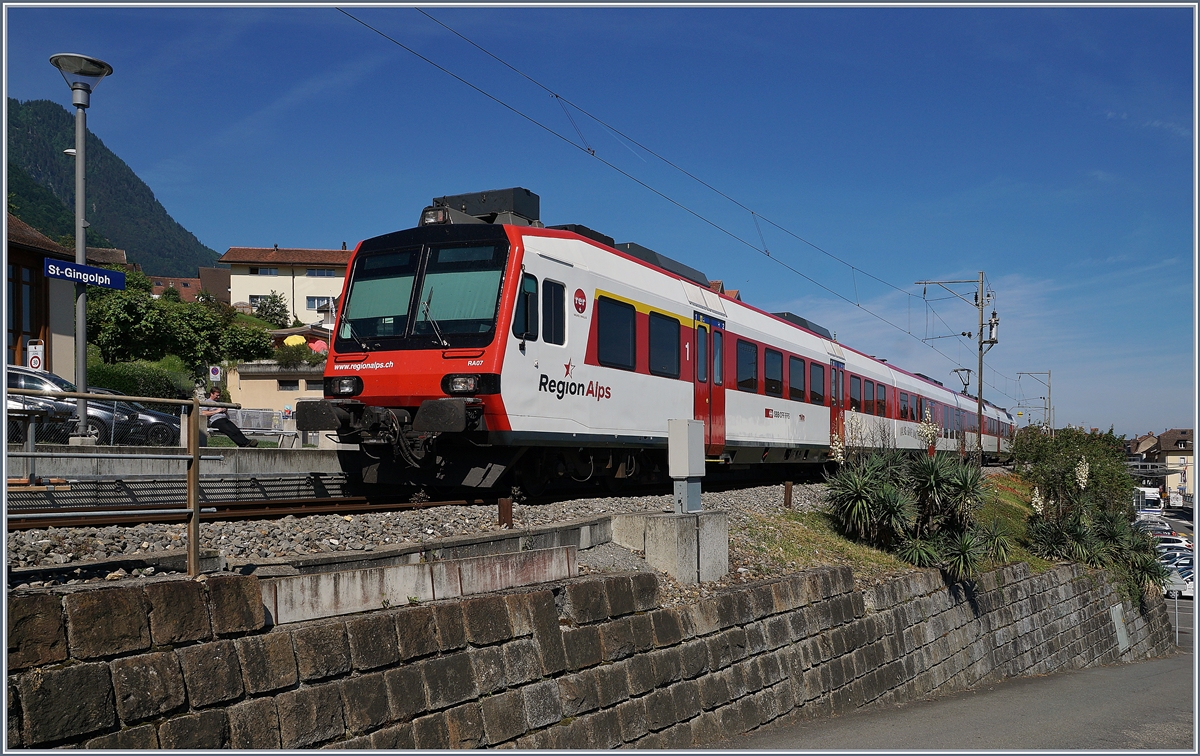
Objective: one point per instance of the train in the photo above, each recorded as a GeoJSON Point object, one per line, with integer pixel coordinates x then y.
{"type": "Point", "coordinates": [485, 350]}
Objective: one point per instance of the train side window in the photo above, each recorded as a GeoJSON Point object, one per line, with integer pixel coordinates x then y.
{"type": "Point", "coordinates": [554, 312]}
{"type": "Point", "coordinates": [869, 397]}
{"type": "Point", "coordinates": [855, 393]}
{"type": "Point", "coordinates": [881, 400]}
{"type": "Point", "coordinates": [664, 345]}
{"type": "Point", "coordinates": [903, 406]}
{"type": "Point", "coordinates": [816, 383]}
{"type": "Point", "coordinates": [718, 361]}
{"type": "Point", "coordinates": [525, 317]}
{"type": "Point", "coordinates": [795, 379]}
{"type": "Point", "coordinates": [747, 366]}
{"type": "Point", "coordinates": [616, 334]}
{"type": "Point", "coordinates": [918, 408]}
{"type": "Point", "coordinates": [773, 372]}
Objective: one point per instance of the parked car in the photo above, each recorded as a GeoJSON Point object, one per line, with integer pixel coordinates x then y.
{"type": "Point", "coordinates": [1166, 540]}
{"type": "Point", "coordinates": [1178, 585]}
{"type": "Point", "coordinates": [155, 428]}
{"type": "Point", "coordinates": [109, 423]}
{"type": "Point", "coordinates": [1155, 527]}
{"type": "Point", "coordinates": [1176, 560]}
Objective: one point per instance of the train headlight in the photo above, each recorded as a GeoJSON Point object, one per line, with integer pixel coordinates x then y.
{"type": "Point", "coordinates": [460, 384]}
{"type": "Point", "coordinates": [434, 215]}
{"type": "Point", "coordinates": [350, 385]}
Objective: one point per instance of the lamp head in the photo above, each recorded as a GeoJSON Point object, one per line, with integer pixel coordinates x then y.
{"type": "Point", "coordinates": [82, 73]}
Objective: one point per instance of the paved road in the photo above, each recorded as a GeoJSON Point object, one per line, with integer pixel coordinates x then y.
{"type": "Point", "coordinates": [1148, 705]}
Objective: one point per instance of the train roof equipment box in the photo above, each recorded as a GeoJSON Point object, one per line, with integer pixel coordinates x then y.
{"type": "Point", "coordinates": [804, 323]}
{"type": "Point", "coordinates": [662, 261]}
{"type": "Point", "coordinates": [495, 202]}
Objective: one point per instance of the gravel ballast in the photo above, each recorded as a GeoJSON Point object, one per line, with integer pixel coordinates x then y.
{"type": "Point", "coordinates": [254, 541]}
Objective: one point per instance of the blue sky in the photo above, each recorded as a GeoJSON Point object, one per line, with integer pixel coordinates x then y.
{"type": "Point", "coordinates": [1052, 148]}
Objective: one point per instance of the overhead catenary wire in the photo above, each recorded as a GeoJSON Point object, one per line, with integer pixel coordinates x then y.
{"type": "Point", "coordinates": [586, 148]}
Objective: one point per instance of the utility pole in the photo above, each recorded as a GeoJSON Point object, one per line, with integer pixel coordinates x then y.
{"type": "Point", "coordinates": [1049, 396]}
{"type": "Point", "coordinates": [982, 299]}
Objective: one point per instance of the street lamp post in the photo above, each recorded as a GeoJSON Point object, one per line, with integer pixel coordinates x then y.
{"type": "Point", "coordinates": [82, 73]}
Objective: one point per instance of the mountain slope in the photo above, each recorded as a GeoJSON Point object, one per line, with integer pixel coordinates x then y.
{"type": "Point", "coordinates": [37, 206]}
{"type": "Point", "coordinates": [120, 205]}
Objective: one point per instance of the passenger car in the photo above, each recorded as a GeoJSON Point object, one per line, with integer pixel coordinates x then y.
{"type": "Point", "coordinates": [154, 428]}
{"type": "Point", "coordinates": [110, 423]}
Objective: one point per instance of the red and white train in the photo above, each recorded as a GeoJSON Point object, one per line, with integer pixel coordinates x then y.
{"type": "Point", "coordinates": [482, 349]}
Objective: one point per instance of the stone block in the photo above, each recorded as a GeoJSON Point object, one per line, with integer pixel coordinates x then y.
{"type": "Point", "coordinates": [578, 693]}
{"type": "Point", "coordinates": [503, 717]}
{"type": "Point", "coordinates": [713, 535]}
{"type": "Point", "coordinates": [211, 672]}
{"type": "Point", "coordinates": [521, 662]}
{"type": "Point", "coordinates": [207, 730]}
{"type": "Point", "coordinates": [619, 590]}
{"type": "Point", "coordinates": [719, 655]}
{"type": "Point", "coordinates": [406, 692]}
{"type": "Point", "coordinates": [36, 634]}
{"type": "Point", "coordinates": [737, 643]}
{"type": "Point", "coordinates": [714, 691]}
{"type": "Point", "coordinates": [322, 651]}
{"type": "Point", "coordinates": [778, 631]}
{"type": "Point", "coordinates": [575, 735]}
{"type": "Point", "coordinates": [672, 546]}
{"type": "Point", "coordinates": [147, 686]}
{"type": "Point", "coordinates": [585, 601]}
{"type": "Point", "coordinates": [430, 732]}
{"type": "Point", "coordinates": [687, 700]}
{"type": "Point", "coordinates": [47, 715]}
{"type": "Point", "coordinates": [616, 639]}
{"type": "Point", "coordinates": [178, 612]}
{"type": "Point", "coordinates": [645, 591]}
{"type": "Point", "coordinates": [641, 631]}
{"type": "Point", "coordinates": [373, 641]}
{"type": "Point", "coordinates": [519, 618]}
{"type": "Point", "coordinates": [668, 630]}
{"type": "Point", "coordinates": [451, 631]}
{"type": "Point", "coordinates": [706, 729]}
{"type": "Point", "coordinates": [395, 738]}
{"type": "Point", "coordinates": [693, 659]}
{"type": "Point", "coordinates": [235, 603]}
{"type": "Point", "coordinates": [582, 646]}
{"type": "Point", "coordinates": [106, 622]}
{"type": "Point", "coordinates": [631, 719]}
{"type": "Point", "coordinates": [543, 703]}
{"type": "Point", "coordinates": [546, 631]}
{"type": "Point", "coordinates": [604, 729]}
{"type": "Point", "coordinates": [639, 671]}
{"type": "Point", "coordinates": [488, 666]}
{"type": "Point", "coordinates": [660, 709]}
{"type": "Point", "coordinates": [253, 725]}
{"type": "Point", "coordinates": [141, 738]}
{"type": "Point", "coordinates": [486, 620]}
{"type": "Point", "coordinates": [448, 680]}
{"type": "Point", "coordinates": [310, 715]}
{"type": "Point", "coordinates": [756, 639]}
{"type": "Point", "coordinates": [667, 668]}
{"type": "Point", "coordinates": [268, 662]}
{"type": "Point", "coordinates": [366, 702]}
{"type": "Point", "coordinates": [612, 685]}
{"type": "Point", "coordinates": [416, 632]}
{"type": "Point", "coordinates": [732, 721]}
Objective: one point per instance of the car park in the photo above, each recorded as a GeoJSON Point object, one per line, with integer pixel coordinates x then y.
{"type": "Point", "coordinates": [108, 422]}
{"type": "Point", "coordinates": [154, 428]}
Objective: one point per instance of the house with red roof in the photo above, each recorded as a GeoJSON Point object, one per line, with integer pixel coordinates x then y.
{"type": "Point", "coordinates": [307, 278]}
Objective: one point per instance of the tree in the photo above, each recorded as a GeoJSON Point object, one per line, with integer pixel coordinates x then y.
{"type": "Point", "coordinates": [241, 343]}
{"type": "Point", "coordinates": [273, 308]}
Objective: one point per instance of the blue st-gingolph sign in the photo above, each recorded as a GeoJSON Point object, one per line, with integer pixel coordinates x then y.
{"type": "Point", "coordinates": [86, 274]}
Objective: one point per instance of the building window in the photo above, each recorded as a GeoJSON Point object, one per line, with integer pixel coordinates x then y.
{"type": "Point", "coordinates": [525, 324]}
{"type": "Point", "coordinates": [616, 334]}
{"type": "Point", "coordinates": [747, 366]}
{"type": "Point", "coordinates": [816, 383]}
{"type": "Point", "coordinates": [264, 271]}
{"type": "Point", "coordinates": [795, 379]}
{"type": "Point", "coordinates": [773, 372]}
{"type": "Point", "coordinates": [664, 345]}
{"type": "Point", "coordinates": [185, 285]}
{"type": "Point", "coordinates": [321, 272]}
{"type": "Point", "coordinates": [554, 312]}
{"type": "Point", "coordinates": [255, 299]}
{"type": "Point", "coordinates": [317, 385]}
{"type": "Point", "coordinates": [289, 385]}
{"type": "Point", "coordinates": [314, 303]}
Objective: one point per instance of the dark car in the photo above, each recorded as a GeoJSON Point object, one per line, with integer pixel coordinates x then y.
{"type": "Point", "coordinates": [155, 428]}
{"type": "Point", "coordinates": [109, 422]}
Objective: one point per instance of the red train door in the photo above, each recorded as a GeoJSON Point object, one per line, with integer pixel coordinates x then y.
{"type": "Point", "coordinates": [837, 420]}
{"type": "Point", "coordinates": [709, 381]}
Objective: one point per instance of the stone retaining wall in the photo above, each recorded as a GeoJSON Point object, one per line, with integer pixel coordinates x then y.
{"type": "Point", "coordinates": [586, 663]}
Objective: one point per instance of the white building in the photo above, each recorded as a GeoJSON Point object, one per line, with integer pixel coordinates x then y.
{"type": "Point", "coordinates": [307, 278]}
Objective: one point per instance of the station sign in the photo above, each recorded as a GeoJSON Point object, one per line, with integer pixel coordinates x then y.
{"type": "Point", "coordinates": [85, 274]}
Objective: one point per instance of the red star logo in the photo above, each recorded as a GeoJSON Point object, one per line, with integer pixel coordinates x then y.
{"type": "Point", "coordinates": [570, 368]}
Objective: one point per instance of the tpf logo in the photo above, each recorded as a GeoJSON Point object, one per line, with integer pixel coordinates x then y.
{"type": "Point", "coordinates": [580, 301]}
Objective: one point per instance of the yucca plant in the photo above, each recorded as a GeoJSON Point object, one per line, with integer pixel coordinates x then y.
{"type": "Point", "coordinates": [893, 509]}
{"type": "Point", "coordinates": [962, 555]}
{"type": "Point", "coordinates": [850, 491]}
{"type": "Point", "coordinates": [929, 480]}
{"type": "Point", "coordinates": [997, 543]}
{"type": "Point", "coordinates": [966, 490]}
{"type": "Point", "coordinates": [919, 552]}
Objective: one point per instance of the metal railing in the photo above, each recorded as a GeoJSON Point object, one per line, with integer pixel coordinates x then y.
{"type": "Point", "coordinates": [190, 412]}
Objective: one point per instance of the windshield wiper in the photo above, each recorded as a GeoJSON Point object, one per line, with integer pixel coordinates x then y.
{"type": "Point", "coordinates": [437, 331]}
{"type": "Point", "coordinates": [354, 334]}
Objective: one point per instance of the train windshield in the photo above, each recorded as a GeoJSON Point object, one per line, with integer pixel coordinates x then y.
{"type": "Point", "coordinates": [423, 297]}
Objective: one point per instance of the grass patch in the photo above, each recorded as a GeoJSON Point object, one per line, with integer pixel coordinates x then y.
{"type": "Point", "coordinates": [216, 440]}
{"type": "Point", "coordinates": [1009, 503]}
{"type": "Point", "coordinates": [250, 320]}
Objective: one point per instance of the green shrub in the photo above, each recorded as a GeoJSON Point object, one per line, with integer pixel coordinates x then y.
{"type": "Point", "coordinates": [293, 356]}
{"type": "Point", "coordinates": [142, 379]}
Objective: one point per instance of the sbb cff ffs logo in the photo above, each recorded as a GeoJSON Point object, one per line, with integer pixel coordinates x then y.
{"type": "Point", "coordinates": [580, 301]}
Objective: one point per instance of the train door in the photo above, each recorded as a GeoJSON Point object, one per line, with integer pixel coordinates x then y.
{"type": "Point", "coordinates": [709, 380]}
{"type": "Point", "coordinates": [837, 380]}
